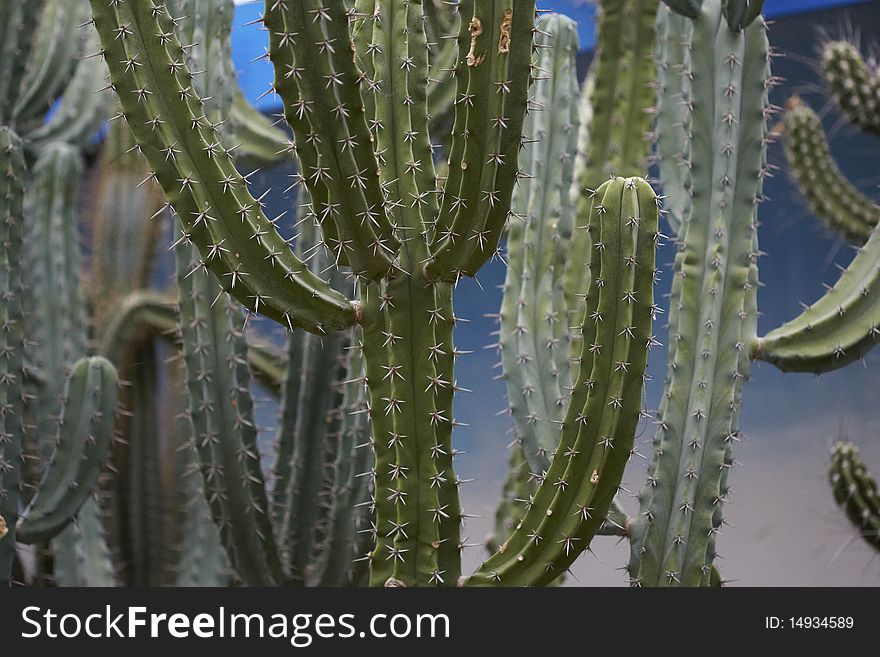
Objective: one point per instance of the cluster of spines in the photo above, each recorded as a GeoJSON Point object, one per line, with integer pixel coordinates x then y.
{"type": "Point", "coordinates": [596, 439]}
{"type": "Point", "coordinates": [713, 309]}
{"type": "Point", "coordinates": [856, 492]}
{"type": "Point", "coordinates": [854, 83]}
{"type": "Point", "coordinates": [833, 199]}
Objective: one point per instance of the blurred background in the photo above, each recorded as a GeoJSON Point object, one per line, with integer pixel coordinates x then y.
{"type": "Point", "coordinates": [783, 526]}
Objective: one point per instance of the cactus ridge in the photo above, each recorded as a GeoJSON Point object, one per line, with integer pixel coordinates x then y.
{"type": "Point", "coordinates": [12, 172]}
{"type": "Point", "coordinates": [673, 542]}
{"type": "Point", "coordinates": [833, 199]}
{"type": "Point", "coordinates": [855, 491]}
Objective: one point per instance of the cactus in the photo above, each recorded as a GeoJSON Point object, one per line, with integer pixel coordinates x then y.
{"type": "Point", "coordinates": [599, 426]}
{"type": "Point", "coordinates": [833, 199]}
{"type": "Point", "coordinates": [712, 307]}
{"type": "Point", "coordinates": [83, 442]}
{"type": "Point", "coordinates": [855, 491]}
{"type": "Point", "coordinates": [854, 84]}
{"type": "Point", "coordinates": [534, 318]}
{"type": "Point", "coordinates": [620, 100]}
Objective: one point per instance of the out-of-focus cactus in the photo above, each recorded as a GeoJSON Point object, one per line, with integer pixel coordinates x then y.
{"type": "Point", "coordinates": [856, 492]}
{"type": "Point", "coordinates": [854, 83]}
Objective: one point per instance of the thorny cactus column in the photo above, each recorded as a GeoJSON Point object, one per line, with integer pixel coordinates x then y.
{"type": "Point", "coordinates": [713, 302]}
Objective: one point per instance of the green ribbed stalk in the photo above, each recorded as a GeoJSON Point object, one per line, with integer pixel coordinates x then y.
{"type": "Point", "coordinates": [712, 307]}
{"type": "Point", "coordinates": [597, 435]}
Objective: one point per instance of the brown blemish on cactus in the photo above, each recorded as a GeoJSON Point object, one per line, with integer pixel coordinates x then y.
{"type": "Point", "coordinates": [594, 478]}
{"type": "Point", "coordinates": [476, 29]}
{"type": "Point", "coordinates": [3, 529]}
{"type": "Point", "coordinates": [504, 40]}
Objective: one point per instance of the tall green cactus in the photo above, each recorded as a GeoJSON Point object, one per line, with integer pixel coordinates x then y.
{"type": "Point", "coordinates": [712, 308]}
{"type": "Point", "coordinates": [855, 491]}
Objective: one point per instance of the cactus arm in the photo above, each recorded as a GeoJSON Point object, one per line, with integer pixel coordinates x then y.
{"type": "Point", "coordinates": [670, 118]}
{"type": "Point", "coordinates": [854, 83]}
{"type": "Point", "coordinates": [621, 97]}
{"type": "Point", "coordinates": [318, 81]}
{"type": "Point", "coordinates": [739, 14]}
{"type": "Point", "coordinates": [234, 237]}
{"type": "Point", "coordinates": [839, 328]}
{"type": "Point", "coordinates": [54, 319]}
{"type": "Point", "coordinates": [492, 78]}
{"type": "Point", "coordinates": [257, 138]}
{"type": "Point", "coordinates": [53, 56]}
{"type": "Point", "coordinates": [84, 438]}
{"type": "Point", "coordinates": [399, 80]}
{"type": "Point", "coordinates": [856, 492]}
{"type": "Point", "coordinates": [83, 107]}
{"type": "Point", "coordinates": [12, 173]}
{"type": "Point", "coordinates": [222, 422]}
{"type": "Point", "coordinates": [575, 494]}
{"type": "Point", "coordinates": [835, 200]}
{"type": "Point", "coordinates": [673, 539]}
{"type": "Point", "coordinates": [534, 320]}
{"type": "Point", "coordinates": [18, 23]}
{"type": "Point", "coordinates": [80, 552]}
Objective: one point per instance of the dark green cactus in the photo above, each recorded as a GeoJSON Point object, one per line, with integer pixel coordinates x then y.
{"type": "Point", "coordinates": [856, 492]}
{"type": "Point", "coordinates": [83, 442]}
